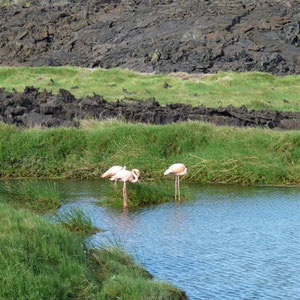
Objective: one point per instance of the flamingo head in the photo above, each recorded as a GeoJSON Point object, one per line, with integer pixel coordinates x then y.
{"type": "Point", "coordinates": [136, 172]}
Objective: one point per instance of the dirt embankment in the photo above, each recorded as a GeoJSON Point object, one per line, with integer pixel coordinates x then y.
{"type": "Point", "coordinates": [33, 107]}
{"type": "Point", "coordinates": [195, 36]}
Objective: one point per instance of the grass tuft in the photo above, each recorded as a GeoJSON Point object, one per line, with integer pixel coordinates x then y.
{"type": "Point", "coordinates": [143, 194]}
{"type": "Point", "coordinates": [123, 279]}
{"type": "Point", "coordinates": [36, 196]}
{"type": "Point", "coordinates": [77, 221]}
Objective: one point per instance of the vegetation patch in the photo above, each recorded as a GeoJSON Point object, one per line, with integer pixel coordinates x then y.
{"type": "Point", "coordinates": [143, 194]}
{"type": "Point", "coordinates": [76, 221]}
{"type": "Point", "coordinates": [36, 196]}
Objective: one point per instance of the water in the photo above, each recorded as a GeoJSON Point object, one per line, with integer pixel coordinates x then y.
{"type": "Point", "coordinates": [231, 243]}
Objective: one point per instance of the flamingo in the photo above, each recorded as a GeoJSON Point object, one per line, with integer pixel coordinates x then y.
{"type": "Point", "coordinates": [112, 171]}
{"type": "Point", "coordinates": [177, 170]}
{"type": "Point", "coordinates": [126, 175]}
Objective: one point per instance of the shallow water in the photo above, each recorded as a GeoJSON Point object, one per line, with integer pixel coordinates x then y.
{"type": "Point", "coordinates": [230, 243]}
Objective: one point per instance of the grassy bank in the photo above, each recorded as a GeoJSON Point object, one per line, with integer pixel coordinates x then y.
{"type": "Point", "coordinates": [211, 153]}
{"type": "Point", "coordinates": [40, 260]}
{"type": "Point", "coordinates": [36, 196]}
{"type": "Point", "coordinates": [254, 90]}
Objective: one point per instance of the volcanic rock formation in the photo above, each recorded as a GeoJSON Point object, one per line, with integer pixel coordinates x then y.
{"type": "Point", "coordinates": [35, 108]}
{"type": "Point", "coordinates": [195, 36]}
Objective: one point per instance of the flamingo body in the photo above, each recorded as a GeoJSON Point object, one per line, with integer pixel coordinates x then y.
{"type": "Point", "coordinates": [112, 171]}
{"type": "Point", "coordinates": [177, 170]}
{"type": "Point", "coordinates": [126, 175]}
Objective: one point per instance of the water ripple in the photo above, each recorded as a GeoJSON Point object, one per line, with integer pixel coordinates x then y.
{"type": "Point", "coordinates": [232, 243]}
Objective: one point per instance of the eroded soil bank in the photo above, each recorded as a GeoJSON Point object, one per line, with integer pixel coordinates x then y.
{"type": "Point", "coordinates": [33, 107]}
{"type": "Point", "coordinates": [155, 36]}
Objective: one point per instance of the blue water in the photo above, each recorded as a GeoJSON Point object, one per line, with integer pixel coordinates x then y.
{"type": "Point", "coordinates": [230, 243]}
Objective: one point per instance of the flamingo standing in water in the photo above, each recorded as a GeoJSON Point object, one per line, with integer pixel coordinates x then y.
{"type": "Point", "coordinates": [177, 170]}
{"type": "Point", "coordinates": [112, 172]}
{"type": "Point", "coordinates": [126, 175]}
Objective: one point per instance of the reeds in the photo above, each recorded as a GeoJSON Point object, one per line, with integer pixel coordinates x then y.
{"type": "Point", "coordinates": [211, 154]}
{"type": "Point", "coordinates": [143, 194]}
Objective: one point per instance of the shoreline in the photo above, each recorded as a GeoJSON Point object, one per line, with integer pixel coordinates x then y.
{"type": "Point", "coordinates": [212, 154]}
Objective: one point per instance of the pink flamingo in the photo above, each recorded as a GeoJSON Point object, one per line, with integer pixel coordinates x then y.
{"type": "Point", "coordinates": [177, 170]}
{"type": "Point", "coordinates": [126, 175]}
{"type": "Point", "coordinates": [112, 172]}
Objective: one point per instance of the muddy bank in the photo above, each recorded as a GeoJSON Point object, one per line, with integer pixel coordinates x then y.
{"type": "Point", "coordinates": [42, 108]}
{"type": "Point", "coordinates": [155, 36]}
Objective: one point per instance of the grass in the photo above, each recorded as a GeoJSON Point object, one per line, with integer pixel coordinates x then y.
{"type": "Point", "coordinates": [142, 194]}
{"type": "Point", "coordinates": [76, 221]}
{"type": "Point", "coordinates": [254, 90]}
{"type": "Point", "coordinates": [40, 260]}
{"type": "Point", "coordinates": [123, 279]}
{"type": "Point", "coordinates": [36, 196]}
{"type": "Point", "coordinates": [212, 154]}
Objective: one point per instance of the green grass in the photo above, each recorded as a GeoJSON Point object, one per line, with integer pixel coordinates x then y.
{"type": "Point", "coordinates": [36, 196]}
{"type": "Point", "coordinates": [123, 279]}
{"type": "Point", "coordinates": [40, 260]}
{"type": "Point", "coordinates": [76, 221]}
{"type": "Point", "coordinates": [254, 90]}
{"type": "Point", "coordinates": [143, 194]}
{"type": "Point", "coordinates": [211, 154]}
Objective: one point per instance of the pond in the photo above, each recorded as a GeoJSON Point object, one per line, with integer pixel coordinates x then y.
{"type": "Point", "coordinates": [232, 242]}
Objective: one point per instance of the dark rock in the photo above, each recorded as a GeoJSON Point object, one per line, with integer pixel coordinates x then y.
{"type": "Point", "coordinates": [155, 36]}
{"type": "Point", "coordinates": [289, 124]}
{"type": "Point", "coordinates": [35, 108]}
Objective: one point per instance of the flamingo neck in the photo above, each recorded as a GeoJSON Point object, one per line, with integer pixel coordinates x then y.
{"type": "Point", "coordinates": [135, 177]}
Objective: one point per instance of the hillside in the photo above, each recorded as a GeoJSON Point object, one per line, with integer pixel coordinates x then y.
{"type": "Point", "coordinates": [196, 36]}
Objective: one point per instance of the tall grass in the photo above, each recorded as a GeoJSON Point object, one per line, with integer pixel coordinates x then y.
{"type": "Point", "coordinates": [36, 196]}
{"type": "Point", "coordinates": [254, 90]}
{"type": "Point", "coordinates": [40, 260]}
{"type": "Point", "coordinates": [76, 221]}
{"type": "Point", "coordinates": [212, 154]}
{"type": "Point", "coordinates": [143, 194]}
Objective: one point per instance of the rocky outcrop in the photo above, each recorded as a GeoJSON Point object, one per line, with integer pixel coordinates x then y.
{"type": "Point", "coordinates": [195, 36]}
{"type": "Point", "coordinates": [35, 108]}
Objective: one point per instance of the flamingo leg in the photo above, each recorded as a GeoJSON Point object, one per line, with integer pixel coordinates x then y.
{"type": "Point", "coordinates": [124, 195]}
{"type": "Point", "coordinates": [178, 189]}
{"type": "Point", "coordinates": [175, 188]}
